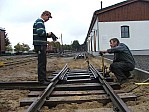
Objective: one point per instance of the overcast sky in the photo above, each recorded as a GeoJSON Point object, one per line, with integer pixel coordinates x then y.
{"type": "Point", "coordinates": [72, 18]}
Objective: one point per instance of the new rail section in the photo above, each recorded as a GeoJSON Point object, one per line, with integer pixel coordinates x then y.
{"type": "Point", "coordinates": [78, 86]}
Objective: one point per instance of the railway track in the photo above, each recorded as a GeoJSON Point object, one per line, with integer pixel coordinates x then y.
{"type": "Point", "coordinates": [80, 56]}
{"type": "Point", "coordinates": [16, 62]}
{"type": "Point", "coordinates": [77, 86]}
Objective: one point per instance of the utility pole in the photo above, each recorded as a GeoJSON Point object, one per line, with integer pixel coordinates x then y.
{"type": "Point", "coordinates": [62, 42]}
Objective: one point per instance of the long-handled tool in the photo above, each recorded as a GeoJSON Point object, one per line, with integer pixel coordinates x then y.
{"type": "Point", "coordinates": [104, 68]}
{"type": "Point", "coordinates": [139, 85]}
{"type": "Point", "coordinates": [102, 61]}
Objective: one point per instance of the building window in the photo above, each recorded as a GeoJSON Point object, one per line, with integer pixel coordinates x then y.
{"type": "Point", "coordinates": [125, 32]}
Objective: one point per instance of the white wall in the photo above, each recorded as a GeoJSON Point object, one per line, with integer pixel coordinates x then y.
{"type": "Point", "coordinates": [92, 35]}
{"type": "Point", "coordinates": [139, 34]}
{"type": "Point", "coordinates": [96, 34]}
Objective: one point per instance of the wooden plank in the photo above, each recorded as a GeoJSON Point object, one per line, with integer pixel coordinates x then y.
{"type": "Point", "coordinates": [67, 93]}
{"type": "Point", "coordinates": [74, 71]}
{"type": "Point", "coordinates": [71, 93]}
{"type": "Point", "coordinates": [53, 101]}
{"type": "Point", "coordinates": [78, 70]}
{"type": "Point", "coordinates": [87, 80]}
{"type": "Point", "coordinates": [95, 110]}
{"type": "Point", "coordinates": [74, 93]}
{"type": "Point", "coordinates": [23, 87]}
{"type": "Point", "coordinates": [76, 74]}
{"type": "Point", "coordinates": [88, 92]}
{"type": "Point", "coordinates": [81, 81]}
{"type": "Point", "coordinates": [34, 93]}
{"type": "Point", "coordinates": [83, 75]}
{"type": "Point", "coordinates": [83, 86]}
{"type": "Point", "coordinates": [78, 77]}
{"type": "Point", "coordinates": [31, 85]}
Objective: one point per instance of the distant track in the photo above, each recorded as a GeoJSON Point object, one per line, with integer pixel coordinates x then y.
{"type": "Point", "coordinates": [19, 60]}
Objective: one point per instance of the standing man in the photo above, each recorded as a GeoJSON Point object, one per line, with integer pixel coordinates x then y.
{"type": "Point", "coordinates": [123, 61]}
{"type": "Point", "coordinates": [40, 44]}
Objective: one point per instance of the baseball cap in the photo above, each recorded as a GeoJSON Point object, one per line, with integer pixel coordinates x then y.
{"type": "Point", "coordinates": [48, 13]}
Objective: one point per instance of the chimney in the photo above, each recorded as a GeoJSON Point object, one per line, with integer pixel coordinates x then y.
{"type": "Point", "coordinates": [101, 4]}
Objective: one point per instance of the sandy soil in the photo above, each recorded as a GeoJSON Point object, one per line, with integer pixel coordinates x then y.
{"type": "Point", "coordinates": [9, 99]}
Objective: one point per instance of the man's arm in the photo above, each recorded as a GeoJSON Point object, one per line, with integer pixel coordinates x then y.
{"type": "Point", "coordinates": [117, 49]}
{"type": "Point", "coordinates": [103, 52]}
{"type": "Point", "coordinates": [40, 29]}
{"type": "Point", "coordinates": [52, 35]}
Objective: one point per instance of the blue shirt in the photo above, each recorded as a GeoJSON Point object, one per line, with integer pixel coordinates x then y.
{"type": "Point", "coordinates": [39, 33]}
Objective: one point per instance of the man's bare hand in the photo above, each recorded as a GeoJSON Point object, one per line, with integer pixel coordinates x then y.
{"type": "Point", "coordinates": [104, 51]}
{"type": "Point", "coordinates": [49, 34]}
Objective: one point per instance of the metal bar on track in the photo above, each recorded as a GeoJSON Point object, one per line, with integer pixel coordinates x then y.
{"type": "Point", "coordinates": [38, 103]}
{"type": "Point", "coordinates": [61, 72]}
{"type": "Point", "coordinates": [119, 105]}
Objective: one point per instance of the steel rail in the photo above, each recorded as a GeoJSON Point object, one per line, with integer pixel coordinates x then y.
{"type": "Point", "coordinates": [19, 61]}
{"type": "Point", "coordinates": [83, 56]}
{"type": "Point", "coordinates": [10, 63]}
{"type": "Point", "coordinates": [38, 103]}
{"type": "Point", "coordinates": [118, 103]}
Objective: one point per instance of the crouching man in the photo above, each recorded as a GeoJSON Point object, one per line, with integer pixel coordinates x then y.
{"type": "Point", "coordinates": [123, 61]}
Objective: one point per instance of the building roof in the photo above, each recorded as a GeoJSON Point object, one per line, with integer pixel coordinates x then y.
{"type": "Point", "coordinates": [117, 6]}
{"type": "Point", "coordinates": [2, 29]}
{"type": "Point", "coordinates": [97, 12]}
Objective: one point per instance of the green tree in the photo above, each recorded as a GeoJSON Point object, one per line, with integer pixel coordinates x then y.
{"type": "Point", "coordinates": [21, 47]}
{"type": "Point", "coordinates": [18, 47]}
{"type": "Point", "coordinates": [50, 43]}
{"type": "Point", "coordinates": [25, 47]}
{"type": "Point", "coordinates": [7, 42]}
{"type": "Point", "coordinates": [57, 45]}
{"type": "Point", "coordinates": [67, 47]}
{"type": "Point", "coordinates": [8, 48]}
{"type": "Point", "coordinates": [75, 45]}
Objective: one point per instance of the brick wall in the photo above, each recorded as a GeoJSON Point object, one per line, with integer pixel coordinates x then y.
{"type": "Point", "coordinates": [2, 41]}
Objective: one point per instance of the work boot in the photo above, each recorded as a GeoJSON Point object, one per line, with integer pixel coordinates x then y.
{"type": "Point", "coordinates": [41, 81]}
{"type": "Point", "coordinates": [107, 74]}
{"type": "Point", "coordinates": [45, 83]}
{"type": "Point", "coordinates": [47, 80]}
{"type": "Point", "coordinates": [129, 75]}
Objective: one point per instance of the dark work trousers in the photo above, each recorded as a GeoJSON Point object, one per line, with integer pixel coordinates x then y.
{"type": "Point", "coordinates": [42, 61]}
{"type": "Point", "coordinates": [121, 70]}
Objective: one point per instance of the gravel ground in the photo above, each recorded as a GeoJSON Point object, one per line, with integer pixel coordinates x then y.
{"type": "Point", "coordinates": [9, 99]}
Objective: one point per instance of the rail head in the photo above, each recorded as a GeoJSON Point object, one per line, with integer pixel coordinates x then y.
{"type": "Point", "coordinates": [38, 103]}
{"type": "Point", "coordinates": [62, 72]}
{"type": "Point", "coordinates": [118, 103]}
